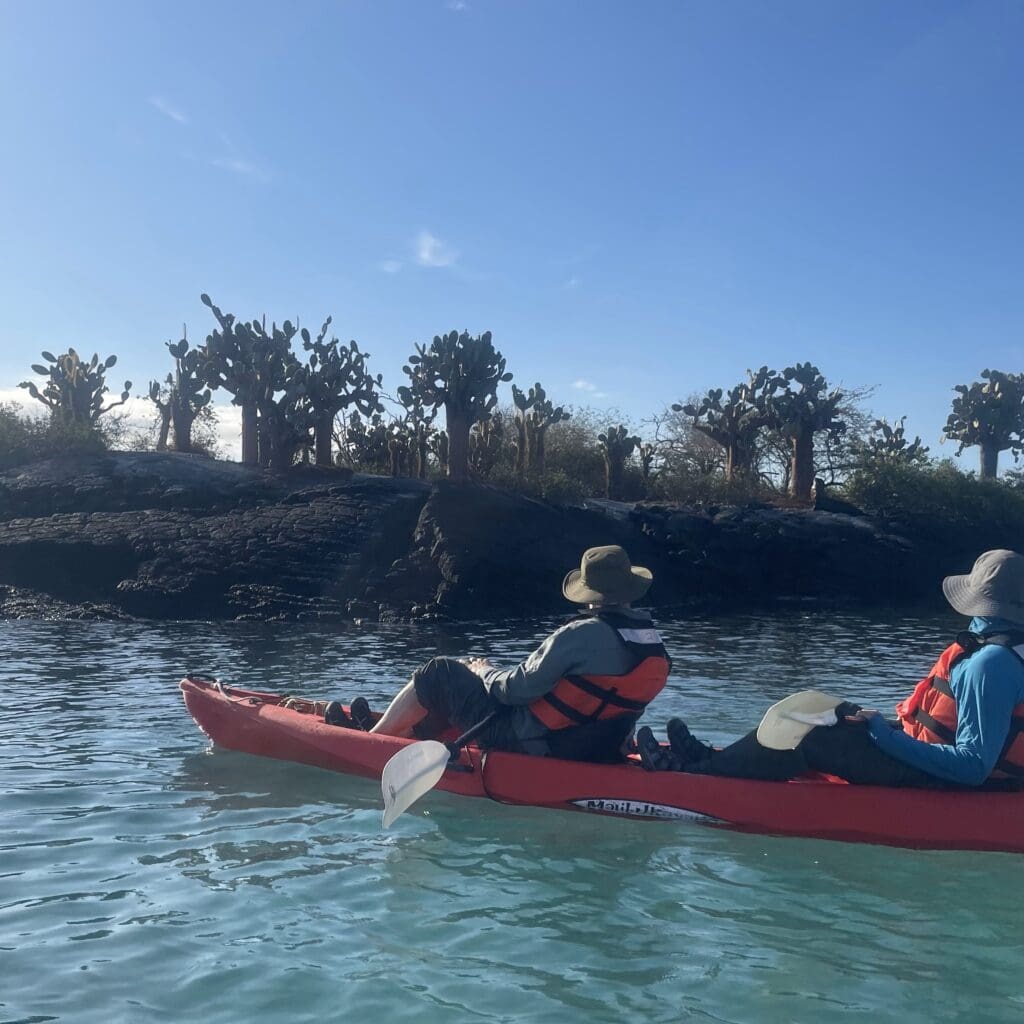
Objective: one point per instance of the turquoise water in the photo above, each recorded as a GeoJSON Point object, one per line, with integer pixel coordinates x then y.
{"type": "Point", "coordinates": [146, 877]}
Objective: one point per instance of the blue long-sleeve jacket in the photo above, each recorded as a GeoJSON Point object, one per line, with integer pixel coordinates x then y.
{"type": "Point", "coordinates": [987, 686]}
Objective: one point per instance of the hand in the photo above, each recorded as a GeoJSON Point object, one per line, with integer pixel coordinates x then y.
{"type": "Point", "coordinates": [864, 715]}
{"type": "Point", "coordinates": [479, 665]}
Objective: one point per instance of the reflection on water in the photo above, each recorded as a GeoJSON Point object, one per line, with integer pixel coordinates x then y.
{"type": "Point", "coordinates": [145, 877]}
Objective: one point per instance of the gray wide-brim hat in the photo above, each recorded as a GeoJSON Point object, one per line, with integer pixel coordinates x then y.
{"type": "Point", "coordinates": [993, 588]}
{"type": "Point", "coordinates": [606, 576]}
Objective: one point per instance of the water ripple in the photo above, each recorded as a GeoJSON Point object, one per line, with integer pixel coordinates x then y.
{"type": "Point", "coordinates": [172, 881]}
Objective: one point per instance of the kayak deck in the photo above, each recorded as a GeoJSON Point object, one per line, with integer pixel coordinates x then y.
{"type": "Point", "coordinates": [260, 723]}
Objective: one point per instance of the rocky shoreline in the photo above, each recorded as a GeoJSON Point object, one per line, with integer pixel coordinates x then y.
{"type": "Point", "coordinates": [167, 536]}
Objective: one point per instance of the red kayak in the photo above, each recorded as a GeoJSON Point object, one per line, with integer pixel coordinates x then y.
{"type": "Point", "coordinates": [292, 729]}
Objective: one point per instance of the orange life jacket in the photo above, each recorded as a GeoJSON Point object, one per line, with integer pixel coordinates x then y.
{"type": "Point", "coordinates": [577, 700]}
{"type": "Point", "coordinates": [929, 713]}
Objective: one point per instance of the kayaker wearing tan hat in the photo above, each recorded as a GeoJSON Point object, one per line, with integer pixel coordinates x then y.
{"type": "Point", "coordinates": [962, 726]}
{"type": "Point", "coordinates": [577, 696]}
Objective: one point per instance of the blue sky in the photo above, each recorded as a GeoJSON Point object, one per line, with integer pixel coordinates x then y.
{"type": "Point", "coordinates": [643, 197]}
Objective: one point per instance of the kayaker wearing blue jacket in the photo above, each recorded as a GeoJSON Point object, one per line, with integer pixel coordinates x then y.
{"type": "Point", "coordinates": [986, 686]}
{"type": "Point", "coordinates": [962, 725]}
{"type": "Point", "coordinates": [577, 696]}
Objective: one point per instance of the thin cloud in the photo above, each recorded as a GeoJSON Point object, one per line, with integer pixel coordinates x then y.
{"type": "Point", "coordinates": [457, 5]}
{"type": "Point", "coordinates": [432, 252]}
{"type": "Point", "coordinates": [229, 430]}
{"type": "Point", "coordinates": [389, 266]}
{"type": "Point", "coordinates": [22, 399]}
{"type": "Point", "coordinates": [246, 168]}
{"type": "Point", "coordinates": [167, 110]}
{"type": "Point", "coordinates": [589, 387]}
{"type": "Point", "coordinates": [573, 282]}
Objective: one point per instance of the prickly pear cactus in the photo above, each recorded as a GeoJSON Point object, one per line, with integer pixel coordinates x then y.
{"type": "Point", "coordinates": [486, 443]}
{"type": "Point", "coordinates": [462, 373]}
{"type": "Point", "coordinates": [887, 444]}
{"type": "Point", "coordinates": [230, 360]}
{"type": "Point", "coordinates": [259, 368]}
{"type": "Point", "coordinates": [73, 390]}
{"type": "Point", "coordinates": [801, 405]}
{"type": "Point", "coordinates": [439, 446]}
{"type": "Point", "coordinates": [989, 414]}
{"type": "Point", "coordinates": [418, 425]}
{"type": "Point", "coordinates": [182, 396]}
{"type": "Point", "coordinates": [735, 418]}
{"type": "Point", "coordinates": [535, 413]}
{"type": "Point", "coordinates": [336, 379]}
{"type": "Point", "coordinates": [364, 442]}
{"type": "Point", "coordinates": [617, 445]}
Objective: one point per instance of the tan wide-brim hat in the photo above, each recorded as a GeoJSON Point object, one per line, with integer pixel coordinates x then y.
{"type": "Point", "coordinates": [606, 576]}
{"type": "Point", "coordinates": [993, 588]}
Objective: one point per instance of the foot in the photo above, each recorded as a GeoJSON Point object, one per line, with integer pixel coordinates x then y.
{"type": "Point", "coordinates": [686, 747]}
{"type": "Point", "coordinates": [335, 714]}
{"type": "Point", "coordinates": [653, 756]}
{"type": "Point", "coordinates": [361, 714]}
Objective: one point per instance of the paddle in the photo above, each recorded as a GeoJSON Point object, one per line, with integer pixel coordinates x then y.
{"type": "Point", "coordinates": [786, 723]}
{"type": "Point", "coordinates": [417, 768]}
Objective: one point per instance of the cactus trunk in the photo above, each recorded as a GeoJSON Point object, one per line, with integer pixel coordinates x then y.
{"type": "Point", "coordinates": [531, 449]}
{"type": "Point", "coordinates": [802, 465]}
{"type": "Point", "coordinates": [989, 461]}
{"type": "Point", "coordinates": [322, 431]}
{"type": "Point", "coordinates": [737, 460]}
{"type": "Point", "coordinates": [538, 451]}
{"type": "Point", "coordinates": [182, 418]}
{"type": "Point", "coordinates": [521, 448]}
{"type": "Point", "coordinates": [283, 444]}
{"type": "Point", "coordinates": [732, 460]}
{"type": "Point", "coordinates": [421, 455]}
{"type": "Point", "coordinates": [264, 442]}
{"type": "Point", "coordinates": [165, 428]}
{"type": "Point", "coordinates": [250, 444]}
{"type": "Point", "coordinates": [613, 467]}
{"type": "Point", "coordinates": [458, 425]}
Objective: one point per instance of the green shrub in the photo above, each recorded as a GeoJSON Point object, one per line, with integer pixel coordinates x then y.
{"type": "Point", "coordinates": [20, 437]}
{"type": "Point", "coordinates": [25, 438]}
{"type": "Point", "coordinates": [573, 449]}
{"type": "Point", "coordinates": [701, 491]}
{"type": "Point", "coordinates": [938, 493]}
{"type": "Point", "coordinates": [559, 488]}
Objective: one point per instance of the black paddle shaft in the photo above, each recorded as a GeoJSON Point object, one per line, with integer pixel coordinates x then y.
{"type": "Point", "coordinates": [457, 744]}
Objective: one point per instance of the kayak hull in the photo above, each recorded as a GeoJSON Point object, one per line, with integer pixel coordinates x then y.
{"type": "Point", "coordinates": [824, 808]}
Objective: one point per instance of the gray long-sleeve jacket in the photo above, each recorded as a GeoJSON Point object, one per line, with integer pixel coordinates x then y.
{"type": "Point", "coordinates": [581, 647]}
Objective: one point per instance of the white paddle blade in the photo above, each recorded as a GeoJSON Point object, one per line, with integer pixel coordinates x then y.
{"type": "Point", "coordinates": [786, 723]}
{"type": "Point", "coordinates": [410, 773]}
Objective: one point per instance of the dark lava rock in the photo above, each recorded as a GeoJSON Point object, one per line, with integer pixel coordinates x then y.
{"type": "Point", "coordinates": [260, 547]}
{"type": "Point", "coordinates": [480, 552]}
{"type": "Point", "coordinates": [171, 536]}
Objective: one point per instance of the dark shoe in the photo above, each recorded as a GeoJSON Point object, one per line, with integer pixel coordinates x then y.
{"type": "Point", "coordinates": [653, 756]}
{"type": "Point", "coordinates": [686, 747]}
{"type": "Point", "coordinates": [361, 714]}
{"type": "Point", "coordinates": [335, 714]}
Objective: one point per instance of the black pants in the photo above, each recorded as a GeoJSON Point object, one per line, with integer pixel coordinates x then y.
{"type": "Point", "coordinates": [454, 695]}
{"type": "Point", "coordinates": [845, 750]}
